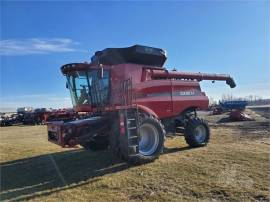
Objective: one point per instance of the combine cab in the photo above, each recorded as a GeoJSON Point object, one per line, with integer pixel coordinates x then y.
{"type": "Point", "coordinates": [135, 102]}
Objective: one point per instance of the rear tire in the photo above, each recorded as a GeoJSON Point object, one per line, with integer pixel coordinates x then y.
{"type": "Point", "coordinates": [151, 141]}
{"type": "Point", "coordinates": [197, 132]}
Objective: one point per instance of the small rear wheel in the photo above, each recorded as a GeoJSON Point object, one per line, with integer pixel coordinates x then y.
{"type": "Point", "coordinates": [197, 132]}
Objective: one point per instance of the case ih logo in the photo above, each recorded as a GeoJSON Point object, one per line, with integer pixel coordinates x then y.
{"type": "Point", "coordinates": [185, 93]}
{"type": "Point", "coordinates": [175, 93]}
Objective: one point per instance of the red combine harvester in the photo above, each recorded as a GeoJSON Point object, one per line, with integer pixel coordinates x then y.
{"type": "Point", "coordinates": [135, 102]}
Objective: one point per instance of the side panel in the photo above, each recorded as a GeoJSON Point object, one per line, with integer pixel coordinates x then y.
{"type": "Point", "coordinates": [119, 73]}
{"type": "Point", "coordinates": [156, 95]}
{"type": "Point", "coordinates": [186, 94]}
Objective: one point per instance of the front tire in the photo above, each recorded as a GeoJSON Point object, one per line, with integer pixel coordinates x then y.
{"type": "Point", "coordinates": [151, 141]}
{"type": "Point", "coordinates": [197, 132]}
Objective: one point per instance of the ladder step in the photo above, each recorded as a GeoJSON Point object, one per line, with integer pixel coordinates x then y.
{"type": "Point", "coordinates": [135, 147]}
{"type": "Point", "coordinates": [132, 127]}
{"type": "Point", "coordinates": [133, 150]}
{"type": "Point", "coordinates": [132, 133]}
{"type": "Point", "coordinates": [133, 142]}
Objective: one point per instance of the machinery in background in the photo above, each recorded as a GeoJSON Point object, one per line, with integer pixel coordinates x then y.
{"type": "Point", "coordinates": [39, 116]}
{"type": "Point", "coordinates": [235, 108]}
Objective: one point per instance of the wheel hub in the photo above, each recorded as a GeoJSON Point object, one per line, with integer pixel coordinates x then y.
{"type": "Point", "coordinates": [200, 133]}
{"type": "Point", "coordinates": [149, 139]}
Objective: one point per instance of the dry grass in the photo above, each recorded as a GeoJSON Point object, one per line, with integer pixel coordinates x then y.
{"type": "Point", "coordinates": [233, 167]}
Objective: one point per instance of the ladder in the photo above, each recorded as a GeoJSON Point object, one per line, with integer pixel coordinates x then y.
{"type": "Point", "coordinates": [132, 131]}
{"type": "Point", "coordinates": [131, 120]}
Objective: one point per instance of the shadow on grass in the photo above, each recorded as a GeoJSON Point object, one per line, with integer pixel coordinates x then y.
{"type": "Point", "coordinates": [28, 125]}
{"type": "Point", "coordinates": [21, 125]}
{"type": "Point", "coordinates": [28, 178]}
{"type": "Point", "coordinates": [176, 149]}
{"type": "Point", "coordinates": [224, 120]}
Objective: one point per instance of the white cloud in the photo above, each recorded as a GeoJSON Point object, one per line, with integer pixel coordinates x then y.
{"type": "Point", "coordinates": [12, 47]}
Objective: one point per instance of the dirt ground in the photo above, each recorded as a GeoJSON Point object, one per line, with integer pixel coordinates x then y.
{"type": "Point", "coordinates": [261, 110]}
{"type": "Point", "coordinates": [235, 166]}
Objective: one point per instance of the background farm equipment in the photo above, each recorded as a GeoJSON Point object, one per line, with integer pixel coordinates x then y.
{"type": "Point", "coordinates": [225, 106]}
{"type": "Point", "coordinates": [235, 108]}
{"type": "Point", "coordinates": [237, 115]}
{"type": "Point", "coordinates": [216, 110]}
{"type": "Point", "coordinates": [30, 116]}
{"type": "Point", "coordinates": [8, 120]}
{"type": "Point", "coordinates": [233, 105]}
{"type": "Point", "coordinates": [64, 115]}
{"type": "Point", "coordinates": [43, 115]}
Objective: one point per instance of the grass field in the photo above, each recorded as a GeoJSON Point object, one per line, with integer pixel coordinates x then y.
{"type": "Point", "coordinates": [233, 167]}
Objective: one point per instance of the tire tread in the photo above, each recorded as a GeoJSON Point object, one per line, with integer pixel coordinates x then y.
{"type": "Point", "coordinates": [189, 136]}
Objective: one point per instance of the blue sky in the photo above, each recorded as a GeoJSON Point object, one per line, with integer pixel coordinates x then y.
{"type": "Point", "coordinates": [215, 37]}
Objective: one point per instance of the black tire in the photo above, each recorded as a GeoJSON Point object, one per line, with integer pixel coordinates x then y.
{"type": "Point", "coordinates": [141, 157]}
{"type": "Point", "coordinates": [193, 139]}
{"type": "Point", "coordinates": [99, 143]}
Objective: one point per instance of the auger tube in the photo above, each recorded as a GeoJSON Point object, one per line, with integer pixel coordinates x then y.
{"type": "Point", "coordinates": [189, 75]}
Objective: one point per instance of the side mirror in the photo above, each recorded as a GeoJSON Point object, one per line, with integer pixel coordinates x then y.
{"type": "Point", "coordinates": [67, 85]}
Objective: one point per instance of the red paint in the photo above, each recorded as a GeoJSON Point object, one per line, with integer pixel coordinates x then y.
{"type": "Point", "coordinates": [158, 91]}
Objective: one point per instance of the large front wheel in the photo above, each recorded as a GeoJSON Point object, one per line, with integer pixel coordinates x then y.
{"type": "Point", "coordinates": [151, 140]}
